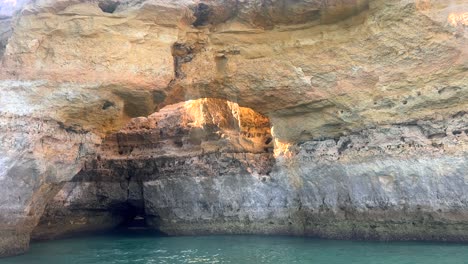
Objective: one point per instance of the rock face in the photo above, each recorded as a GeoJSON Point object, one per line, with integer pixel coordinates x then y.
{"type": "Point", "coordinates": [205, 167]}
{"type": "Point", "coordinates": [173, 150]}
{"type": "Point", "coordinates": [342, 119]}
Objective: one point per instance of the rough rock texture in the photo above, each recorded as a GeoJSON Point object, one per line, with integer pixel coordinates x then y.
{"type": "Point", "coordinates": [403, 181]}
{"type": "Point", "coordinates": [366, 101]}
{"type": "Point", "coordinates": [36, 154]}
{"type": "Point", "coordinates": [196, 140]}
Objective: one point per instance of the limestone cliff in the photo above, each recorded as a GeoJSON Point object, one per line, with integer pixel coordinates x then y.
{"type": "Point", "coordinates": [343, 119]}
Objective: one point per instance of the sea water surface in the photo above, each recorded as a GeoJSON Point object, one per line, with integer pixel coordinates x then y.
{"type": "Point", "coordinates": [138, 248]}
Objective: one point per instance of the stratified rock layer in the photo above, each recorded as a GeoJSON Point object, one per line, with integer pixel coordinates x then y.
{"type": "Point", "coordinates": [366, 101]}
{"type": "Point", "coordinates": [404, 181]}
{"type": "Point", "coordinates": [201, 140]}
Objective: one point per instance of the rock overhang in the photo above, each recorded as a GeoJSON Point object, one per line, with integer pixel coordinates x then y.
{"type": "Point", "coordinates": [346, 82]}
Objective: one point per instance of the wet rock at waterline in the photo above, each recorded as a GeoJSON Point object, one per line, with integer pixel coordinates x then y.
{"type": "Point", "coordinates": [341, 119]}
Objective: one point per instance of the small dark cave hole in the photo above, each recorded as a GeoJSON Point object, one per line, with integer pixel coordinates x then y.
{"type": "Point", "coordinates": [108, 6]}
{"type": "Point", "coordinates": [136, 222]}
{"type": "Point", "coordinates": [107, 104]}
{"type": "Point", "coordinates": [202, 13]}
{"type": "Point", "coordinates": [134, 218]}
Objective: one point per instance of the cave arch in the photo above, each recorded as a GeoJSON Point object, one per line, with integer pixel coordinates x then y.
{"type": "Point", "coordinates": [206, 139]}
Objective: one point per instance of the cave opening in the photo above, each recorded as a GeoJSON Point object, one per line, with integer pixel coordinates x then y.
{"type": "Point", "coordinates": [137, 176]}
{"type": "Point", "coordinates": [136, 221]}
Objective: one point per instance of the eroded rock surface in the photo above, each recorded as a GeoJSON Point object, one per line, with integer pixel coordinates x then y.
{"type": "Point", "coordinates": [139, 168]}
{"type": "Point", "coordinates": [366, 101]}
{"type": "Point", "coordinates": [36, 155]}
{"type": "Point", "coordinates": [401, 181]}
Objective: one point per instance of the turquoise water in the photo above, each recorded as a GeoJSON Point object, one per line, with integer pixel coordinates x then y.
{"type": "Point", "coordinates": [125, 248]}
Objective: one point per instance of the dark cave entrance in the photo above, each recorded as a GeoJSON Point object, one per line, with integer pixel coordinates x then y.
{"type": "Point", "coordinates": [120, 189]}
{"type": "Point", "coordinates": [96, 202]}
{"type": "Point", "coordinates": [134, 218]}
